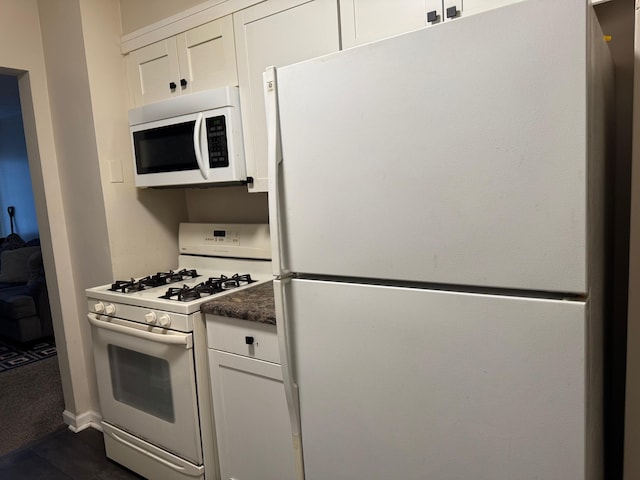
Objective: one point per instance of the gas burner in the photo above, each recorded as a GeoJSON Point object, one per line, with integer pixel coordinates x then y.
{"type": "Point", "coordinates": [157, 280]}
{"type": "Point", "coordinates": [182, 294]}
{"type": "Point", "coordinates": [227, 283]}
{"type": "Point", "coordinates": [126, 286]}
{"type": "Point", "coordinates": [163, 278]}
{"type": "Point", "coordinates": [212, 286]}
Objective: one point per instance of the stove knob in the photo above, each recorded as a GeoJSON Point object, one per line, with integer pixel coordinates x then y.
{"type": "Point", "coordinates": [164, 320]}
{"type": "Point", "coordinates": [99, 307]}
{"type": "Point", "coordinates": [150, 318]}
{"type": "Point", "coordinates": [110, 309]}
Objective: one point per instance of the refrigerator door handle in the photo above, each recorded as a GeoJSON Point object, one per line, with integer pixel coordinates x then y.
{"type": "Point", "coordinates": [274, 160]}
{"type": "Point", "coordinates": [290, 387]}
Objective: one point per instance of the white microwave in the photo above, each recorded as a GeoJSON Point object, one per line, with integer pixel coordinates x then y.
{"type": "Point", "coordinates": [194, 139]}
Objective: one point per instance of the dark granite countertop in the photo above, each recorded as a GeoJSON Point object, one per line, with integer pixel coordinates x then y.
{"type": "Point", "coordinates": [254, 303]}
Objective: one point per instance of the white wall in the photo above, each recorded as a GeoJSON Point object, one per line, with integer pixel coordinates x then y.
{"type": "Point", "coordinates": [227, 205]}
{"type": "Point", "coordinates": [140, 13]}
{"type": "Point", "coordinates": [72, 88]}
{"type": "Point", "coordinates": [114, 230]}
{"type": "Point", "coordinates": [142, 223]}
{"type": "Point", "coordinates": [21, 54]}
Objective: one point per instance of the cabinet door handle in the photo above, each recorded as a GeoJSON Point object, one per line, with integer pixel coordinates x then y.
{"type": "Point", "coordinates": [172, 85]}
{"type": "Point", "coordinates": [248, 340]}
{"type": "Point", "coordinates": [432, 16]}
{"type": "Point", "coordinates": [183, 82]}
{"type": "Point", "coordinates": [452, 12]}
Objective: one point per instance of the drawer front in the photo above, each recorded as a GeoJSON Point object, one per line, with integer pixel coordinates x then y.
{"type": "Point", "coordinates": [243, 337]}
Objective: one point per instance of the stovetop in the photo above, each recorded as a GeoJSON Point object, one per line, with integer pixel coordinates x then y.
{"type": "Point", "coordinates": [214, 260]}
{"type": "Point", "coordinates": [180, 291]}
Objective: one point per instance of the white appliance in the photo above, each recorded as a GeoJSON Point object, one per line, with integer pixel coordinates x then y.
{"type": "Point", "coordinates": [192, 139]}
{"type": "Point", "coordinates": [150, 351]}
{"type": "Point", "coordinates": [437, 229]}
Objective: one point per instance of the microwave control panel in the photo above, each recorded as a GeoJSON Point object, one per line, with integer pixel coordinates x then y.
{"type": "Point", "coordinates": [217, 140]}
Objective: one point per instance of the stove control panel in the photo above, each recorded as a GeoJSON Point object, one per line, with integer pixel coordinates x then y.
{"type": "Point", "coordinates": [151, 318]}
{"type": "Point", "coordinates": [164, 320]}
{"type": "Point", "coordinates": [108, 309]}
{"type": "Point", "coordinates": [225, 240]}
{"type": "Point", "coordinates": [145, 315]}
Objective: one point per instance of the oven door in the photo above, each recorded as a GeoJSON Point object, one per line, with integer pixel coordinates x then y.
{"type": "Point", "coordinates": [146, 383]}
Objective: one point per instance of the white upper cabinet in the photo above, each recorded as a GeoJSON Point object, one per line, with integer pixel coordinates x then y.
{"type": "Point", "coordinates": [470, 7]}
{"type": "Point", "coordinates": [277, 32]}
{"type": "Point", "coordinates": [198, 59]}
{"type": "Point", "coordinates": [365, 21]}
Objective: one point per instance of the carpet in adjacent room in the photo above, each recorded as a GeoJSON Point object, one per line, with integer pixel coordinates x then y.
{"type": "Point", "coordinates": [31, 403]}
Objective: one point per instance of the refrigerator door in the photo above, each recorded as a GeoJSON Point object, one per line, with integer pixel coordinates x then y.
{"type": "Point", "coordinates": [419, 384]}
{"type": "Point", "coordinates": [455, 154]}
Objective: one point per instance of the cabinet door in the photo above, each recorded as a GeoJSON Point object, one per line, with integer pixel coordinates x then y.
{"type": "Point", "coordinates": [251, 417]}
{"type": "Point", "coordinates": [150, 69]}
{"type": "Point", "coordinates": [207, 56]}
{"type": "Point", "coordinates": [469, 7]}
{"type": "Point", "coordinates": [278, 32]}
{"type": "Point", "coordinates": [363, 21]}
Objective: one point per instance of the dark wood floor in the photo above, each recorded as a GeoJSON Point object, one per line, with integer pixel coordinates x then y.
{"type": "Point", "coordinates": [63, 455]}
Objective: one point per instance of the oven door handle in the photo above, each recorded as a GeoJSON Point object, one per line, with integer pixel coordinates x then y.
{"type": "Point", "coordinates": [166, 338]}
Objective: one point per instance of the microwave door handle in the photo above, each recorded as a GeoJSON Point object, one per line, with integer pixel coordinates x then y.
{"type": "Point", "coordinates": [197, 148]}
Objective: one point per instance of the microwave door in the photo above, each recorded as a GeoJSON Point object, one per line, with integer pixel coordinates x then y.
{"type": "Point", "coordinates": [200, 139]}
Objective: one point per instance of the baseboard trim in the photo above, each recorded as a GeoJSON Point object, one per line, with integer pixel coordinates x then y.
{"type": "Point", "coordinates": [77, 423]}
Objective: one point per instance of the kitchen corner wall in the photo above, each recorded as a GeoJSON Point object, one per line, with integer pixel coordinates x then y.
{"type": "Point", "coordinates": [616, 18]}
{"type": "Point", "coordinates": [22, 55]}
{"type": "Point", "coordinates": [114, 229]}
{"type": "Point", "coordinates": [227, 205]}
{"type": "Point", "coordinates": [105, 227]}
{"type": "Point", "coordinates": [142, 223]}
{"type": "Point", "coordinates": [137, 14]}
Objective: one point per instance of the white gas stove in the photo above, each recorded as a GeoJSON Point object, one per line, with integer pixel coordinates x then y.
{"type": "Point", "coordinates": [215, 260]}
{"type": "Point", "coordinates": [149, 346]}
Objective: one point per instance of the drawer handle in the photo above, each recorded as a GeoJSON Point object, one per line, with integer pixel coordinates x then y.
{"type": "Point", "coordinates": [248, 340]}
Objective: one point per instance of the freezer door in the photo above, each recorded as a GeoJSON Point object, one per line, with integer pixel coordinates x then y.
{"type": "Point", "coordinates": [454, 154]}
{"type": "Point", "coordinates": [418, 384]}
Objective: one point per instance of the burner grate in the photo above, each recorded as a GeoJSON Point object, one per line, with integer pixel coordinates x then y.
{"type": "Point", "coordinates": [151, 281]}
{"type": "Point", "coordinates": [212, 286]}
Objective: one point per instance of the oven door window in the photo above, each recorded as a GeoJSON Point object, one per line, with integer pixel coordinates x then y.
{"type": "Point", "coordinates": [141, 381]}
{"type": "Point", "coordinates": [165, 148]}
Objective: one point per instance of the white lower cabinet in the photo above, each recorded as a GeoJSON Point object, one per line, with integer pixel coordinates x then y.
{"type": "Point", "coordinates": [250, 409]}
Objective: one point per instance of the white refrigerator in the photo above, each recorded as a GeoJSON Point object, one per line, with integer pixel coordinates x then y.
{"type": "Point", "coordinates": [437, 216]}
